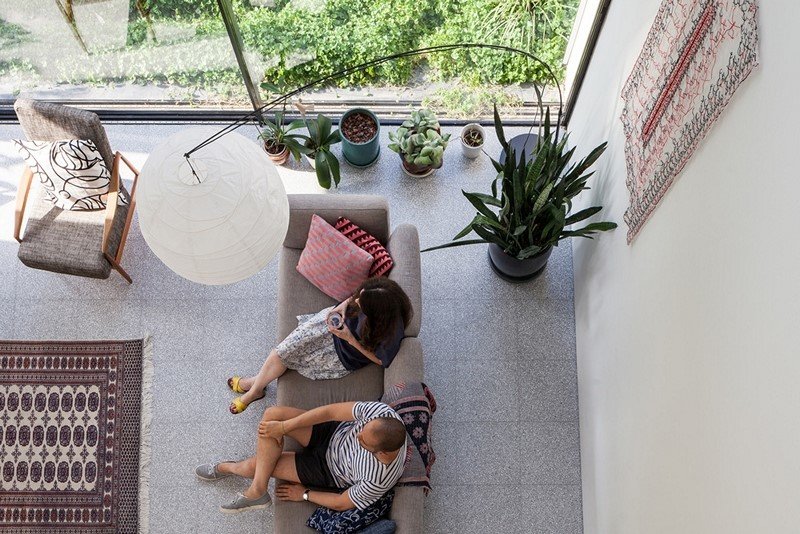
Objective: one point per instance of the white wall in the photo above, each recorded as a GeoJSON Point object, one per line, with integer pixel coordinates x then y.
{"type": "Point", "coordinates": [689, 340]}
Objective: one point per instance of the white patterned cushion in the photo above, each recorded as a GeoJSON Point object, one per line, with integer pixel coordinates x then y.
{"type": "Point", "coordinates": [72, 172]}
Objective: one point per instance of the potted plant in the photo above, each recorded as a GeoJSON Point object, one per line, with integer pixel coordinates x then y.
{"type": "Point", "coordinates": [318, 150]}
{"type": "Point", "coordinates": [360, 137]}
{"type": "Point", "coordinates": [472, 138]}
{"type": "Point", "coordinates": [279, 141]}
{"type": "Point", "coordinates": [420, 144]}
{"type": "Point", "coordinates": [524, 216]}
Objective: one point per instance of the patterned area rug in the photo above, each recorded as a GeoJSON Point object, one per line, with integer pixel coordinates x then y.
{"type": "Point", "coordinates": [74, 437]}
{"type": "Point", "coordinates": [696, 55]}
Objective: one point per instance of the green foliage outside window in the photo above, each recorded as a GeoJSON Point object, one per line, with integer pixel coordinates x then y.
{"type": "Point", "coordinates": [300, 44]}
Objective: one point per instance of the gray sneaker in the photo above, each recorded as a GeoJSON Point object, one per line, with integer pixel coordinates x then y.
{"type": "Point", "coordinates": [242, 504]}
{"type": "Point", "coordinates": [209, 472]}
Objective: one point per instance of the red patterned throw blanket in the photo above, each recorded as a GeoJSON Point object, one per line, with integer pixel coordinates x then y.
{"type": "Point", "coordinates": [415, 403]}
{"type": "Point", "coordinates": [74, 442]}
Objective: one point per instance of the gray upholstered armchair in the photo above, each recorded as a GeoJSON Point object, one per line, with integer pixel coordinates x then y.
{"type": "Point", "coordinates": [82, 243]}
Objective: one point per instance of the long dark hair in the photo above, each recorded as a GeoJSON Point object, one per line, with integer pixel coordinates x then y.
{"type": "Point", "coordinates": [383, 302]}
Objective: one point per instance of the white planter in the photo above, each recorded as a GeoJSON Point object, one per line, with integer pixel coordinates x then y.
{"type": "Point", "coordinates": [472, 152]}
{"type": "Point", "coordinates": [311, 161]}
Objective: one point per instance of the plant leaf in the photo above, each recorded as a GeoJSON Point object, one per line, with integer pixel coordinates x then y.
{"type": "Point", "coordinates": [455, 244]}
{"type": "Point", "coordinates": [487, 199]}
{"type": "Point", "coordinates": [581, 215]}
{"type": "Point", "coordinates": [498, 127]}
{"type": "Point", "coordinates": [324, 126]}
{"type": "Point", "coordinates": [542, 198]}
{"type": "Point", "coordinates": [479, 205]}
{"type": "Point", "coordinates": [323, 170]}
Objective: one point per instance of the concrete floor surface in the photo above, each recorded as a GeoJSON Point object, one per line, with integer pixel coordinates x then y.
{"type": "Point", "coordinates": [499, 357]}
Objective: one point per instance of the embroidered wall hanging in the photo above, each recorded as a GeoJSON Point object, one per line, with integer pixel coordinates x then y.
{"type": "Point", "coordinates": [695, 56]}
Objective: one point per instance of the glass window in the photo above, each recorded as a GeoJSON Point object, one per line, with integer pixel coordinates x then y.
{"type": "Point", "coordinates": [129, 52]}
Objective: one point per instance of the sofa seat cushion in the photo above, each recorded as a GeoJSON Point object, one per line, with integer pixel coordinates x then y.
{"type": "Point", "coordinates": [68, 242]}
{"type": "Point", "coordinates": [365, 384]}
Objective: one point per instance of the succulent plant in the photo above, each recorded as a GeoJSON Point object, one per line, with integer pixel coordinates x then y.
{"type": "Point", "coordinates": [421, 120]}
{"type": "Point", "coordinates": [426, 148]}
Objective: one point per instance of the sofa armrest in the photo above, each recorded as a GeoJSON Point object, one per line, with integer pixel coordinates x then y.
{"type": "Point", "coordinates": [367, 211]}
{"type": "Point", "coordinates": [403, 247]}
{"type": "Point", "coordinates": [408, 365]}
{"type": "Point", "coordinates": [408, 510]}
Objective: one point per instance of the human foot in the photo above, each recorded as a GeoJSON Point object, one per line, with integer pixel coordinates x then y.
{"type": "Point", "coordinates": [240, 384]}
{"type": "Point", "coordinates": [240, 404]}
{"type": "Point", "coordinates": [240, 503]}
{"type": "Point", "coordinates": [210, 472]}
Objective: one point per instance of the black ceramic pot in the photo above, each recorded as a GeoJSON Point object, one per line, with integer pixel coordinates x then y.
{"type": "Point", "coordinates": [516, 270]}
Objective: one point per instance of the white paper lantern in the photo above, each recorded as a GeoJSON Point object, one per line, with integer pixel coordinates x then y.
{"type": "Point", "coordinates": [221, 226]}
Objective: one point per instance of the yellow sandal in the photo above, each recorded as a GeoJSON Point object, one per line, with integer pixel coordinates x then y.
{"type": "Point", "coordinates": [233, 383]}
{"type": "Point", "coordinates": [238, 405]}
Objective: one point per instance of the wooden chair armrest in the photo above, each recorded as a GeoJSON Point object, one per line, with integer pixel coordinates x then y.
{"type": "Point", "coordinates": [111, 210]}
{"type": "Point", "coordinates": [111, 202]}
{"type": "Point", "coordinates": [22, 200]}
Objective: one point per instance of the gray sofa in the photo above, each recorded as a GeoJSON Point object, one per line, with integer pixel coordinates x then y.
{"type": "Point", "coordinates": [297, 296]}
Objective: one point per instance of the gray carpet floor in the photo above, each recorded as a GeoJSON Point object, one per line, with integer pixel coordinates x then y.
{"type": "Point", "coordinates": [499, 357]}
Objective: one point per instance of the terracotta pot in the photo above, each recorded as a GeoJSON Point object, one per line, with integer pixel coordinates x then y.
{"type": "Point", "coordinates": [416, 171]}
{"type": "Point", "coordinates": [278, 158]}
{"type": "Point", "coordinates": [516, 270]}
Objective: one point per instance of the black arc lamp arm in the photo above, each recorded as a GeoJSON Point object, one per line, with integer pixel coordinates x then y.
{"type": "Point", "coordinates": [256, 114]}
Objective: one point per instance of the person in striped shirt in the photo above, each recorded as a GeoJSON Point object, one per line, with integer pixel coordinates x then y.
{"type": "Point", "coordinates": [353, 453]}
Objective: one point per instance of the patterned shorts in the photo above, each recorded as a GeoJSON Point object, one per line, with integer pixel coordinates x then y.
{"type": "Point", "coordinates": [309, 348]}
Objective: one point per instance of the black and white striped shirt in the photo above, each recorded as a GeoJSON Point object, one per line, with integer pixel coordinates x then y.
{"type": "Point", "coordinates": [354, 466]}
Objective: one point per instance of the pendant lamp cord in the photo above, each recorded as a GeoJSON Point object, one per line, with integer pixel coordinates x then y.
{"type": "Point", "coordinates": [282, 99]}
{"type": "Point", "coordinates": [194, 172]}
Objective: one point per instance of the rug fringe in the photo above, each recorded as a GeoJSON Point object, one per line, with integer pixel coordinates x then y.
{"type": "Point", "coordinates": [144, 433]}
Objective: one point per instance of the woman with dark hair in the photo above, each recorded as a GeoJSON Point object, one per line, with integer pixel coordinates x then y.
{"type": "Point", "coordinates": [366, 328]}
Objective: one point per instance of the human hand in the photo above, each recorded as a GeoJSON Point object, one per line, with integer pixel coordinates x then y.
{"type": "Point", "coordinates": [290, 492]}
{"type": "Point", "coordinates": [271, 429]}
{"type": "Point", "coordinates": [343, 332]}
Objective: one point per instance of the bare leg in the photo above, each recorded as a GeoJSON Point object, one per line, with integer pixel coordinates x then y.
{"type": "Point", "coordinates": [268, 450]}
{"type": "Point", "coordinates": [273, 368]}
{"type": "Point", "coordinates": [245, 468]}
{"type": "Point", "coordinates": [268, 453]}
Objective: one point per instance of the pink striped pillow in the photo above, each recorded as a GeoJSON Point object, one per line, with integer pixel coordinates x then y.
{"type": "Point", "coordinates": [382, 263]}
{"type": "Point", "coordinates": [331, 262]}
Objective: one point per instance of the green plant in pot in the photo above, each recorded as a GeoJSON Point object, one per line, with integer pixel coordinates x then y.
{"type": "Point", "coordinates": [529, 207]}
{"type": "Point", "coordinates": [279, 141]}
{"type": "Point", "coordinates": [420, 144]}
{"type": "Point", "coordinates": [422, 120]}
{"type": "Point", "coordinates": [318, 150]}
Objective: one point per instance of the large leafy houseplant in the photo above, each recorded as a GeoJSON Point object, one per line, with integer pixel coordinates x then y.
{"type": "Point", "coordinates": [318, 148]}
{"type": "Point", "coordinates": [530, 201]}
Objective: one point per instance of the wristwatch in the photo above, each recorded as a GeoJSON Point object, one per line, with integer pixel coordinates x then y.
{"type": "Point", "coordinates": [305, 495]}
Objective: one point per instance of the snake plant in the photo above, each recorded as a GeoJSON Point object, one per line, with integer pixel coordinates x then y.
{"type": "Point", "coordinates": [530, 201]}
